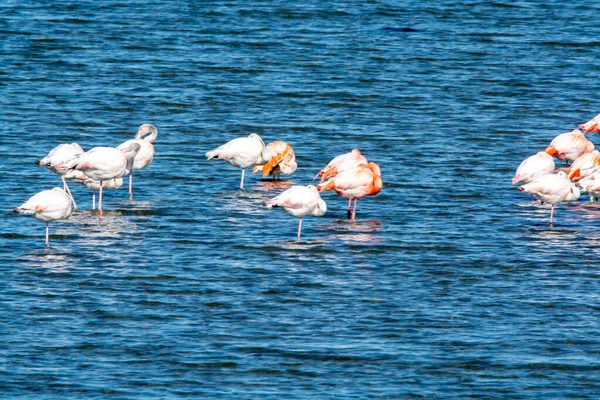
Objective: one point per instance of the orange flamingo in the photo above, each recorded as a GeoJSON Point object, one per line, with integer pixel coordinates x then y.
{"type": "Point", "coordinates": [591, 125]}
{"type": "Point", "coordinates": [356, 183]}
{"type": "Point", "coordinates": [568, 146]}
{"type": "Point", "coordinates": [283, 160]}
{"type": "Point", "coordinates": [584, 165]}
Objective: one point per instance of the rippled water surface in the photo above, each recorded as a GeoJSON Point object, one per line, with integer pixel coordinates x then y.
{"type": "Point", "coordinates": [451, 284]}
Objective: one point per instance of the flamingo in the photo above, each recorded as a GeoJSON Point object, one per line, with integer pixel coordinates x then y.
{"type": "Point", "coordinates": [48, 205]}
{"type": "Point", "coordinates": [356, 183]}
{"type": "Point", "coordinates": [299, 201]}
{"type": "Point", "coordinates": [591, 125]}
{"type": "Point", "coordinates": [552, 189]}
{"type": "Point", "coordinates": [104, 163]}
{"type": "Point", "coordinates": [568, 146]}
{"type": "Point", "coordinates": [242, 153]}
{"type": "Point", "coordinates": [584, 165]}
{"type": "Point", "coordinates": [282, 160]}
{"type": "Point", "coordinates": [146, 134]}
{"type": "Point", "coordinates": [57, 157]}
{"type": "Point", "coordinates": [340, 164]}
{"type": "Point", "coordinates": [590, 184]}
{"type": "Point", "coordinates": [534, 166]}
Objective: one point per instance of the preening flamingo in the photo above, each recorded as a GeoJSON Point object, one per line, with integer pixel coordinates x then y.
{"type": "Point", "coordinates": [356, 183]}
{"type": "Point", "coordinates": [146, 134]}
{"type": "Point", "coordinates": [48, 205]}
{"type": "Point", "coordinates": [584, 165]}
{"type": "Point", "coordinates": [57, 157]}
{"type": "Point", "coordinates": [552, 189]}
{"type": "Point", "coordinates": [242, 153]}
{"type": "Point", "coordinates": [282, 160]}
{"type": "Point", "coordinates": [299, 201]}
{"type": "Point", "coordinates": [568, 146]}
{"type": "Point", "coordinates": [534, 166]}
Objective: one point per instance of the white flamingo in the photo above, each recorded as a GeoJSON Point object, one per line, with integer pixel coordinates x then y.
{"type": "Point", "coordinates": [104, 163]}
{"type": "Point", "coordinates": [552, 189]}
{"type": "Point", "coordinates": [146, 134]}
{"type": "Point", "coordinates": [48, 205]}
{"type": "Point", "coordinates": [57, 157]}
{"type": "Point", "coordinates": [299, 201]}
{"type": "Point", "coordinates": [242, 153]}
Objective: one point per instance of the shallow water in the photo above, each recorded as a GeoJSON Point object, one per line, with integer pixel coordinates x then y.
{"type": "Point", "coordinates": [451, 284]}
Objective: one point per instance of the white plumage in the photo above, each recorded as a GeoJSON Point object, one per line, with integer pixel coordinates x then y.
{"type": "Point", "coordinates": [299, 201]}
{"type": "Point", "coordinates": [242, 153]}
{"type": "Point", "coordinates": [48, 205]}
{"type": "Point", "coordinates": [145, 136]}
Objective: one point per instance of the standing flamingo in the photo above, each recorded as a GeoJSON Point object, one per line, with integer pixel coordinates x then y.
{"type": "Point", "coordinates": [534, 166]}
{"type": "Point", "coordinates": [591, 125]}
{"type": "Point", "coordinates": [568, 146]}
{"type": "Point", "coordinates": [57, 157]}
{"type": "Point", "coordinates": [299, 201]}
{"type": "Point", "coordinates": [340, 164]}
{"type": "Point", "coordinates": [552, 189]}
{"type": "Point", "coordinates": [591, 185]}
{"type": "Point", "coordinates": [242, 153]}
{"type": "Point", "coordinates": [356, 183]}
{"type": "Point", "coordinates": [146, 134]}
{"type": "Point", "coordinates": [282, 160]}
{"type": "Point", "coordinates": [584, 165]}
{"type": "Point", "coordinates": [104, 163]}
{"type": "Point", "coordinates": [48, 205]}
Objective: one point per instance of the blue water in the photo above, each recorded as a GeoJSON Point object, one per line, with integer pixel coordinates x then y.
{"type": "Point", "coordinates": [451, 284]}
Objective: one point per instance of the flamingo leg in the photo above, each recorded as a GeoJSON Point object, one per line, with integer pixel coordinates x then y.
{"type": "Point", "coordinates": [47, 236]}
{"type": "Point", "coordinates": [100, 200]}
{"type": "Point", "coordinates": [242, 180]}
{"type": "Point", "coordinates": [299, 228]}
{"type": "Point", "coordinates": [551, 213]}
{"type": "Point", "coordinates": [67, 190]}
{"type": "Point", "coordinates": [131, 185]}
{"type": "Point", "coordinates": [354, 210]}
{"type": "Point", "coordinates": [349, 210]}
{"type": "Point", "coordinates": [93, 200]}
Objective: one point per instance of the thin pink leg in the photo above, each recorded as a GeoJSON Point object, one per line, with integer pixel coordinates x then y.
{"type": "Point", "coordinates": [47, 236]}
{"type": "Point", "coordinates": [299, 227]}
{"type": "Point", "coordinates": [242, 180]}
{"type": "Point", "coordinates": [130, 185]}
{"type": "Point", "coordinates": [93, 200]}
{"type": "Point", "coordinates": [349, 208]}
{"type": "Point", "coordinates": [354, 211]}
{"type": "Point", "coordinates": [100, 200]}
{"type": "Point", "coordinates": [551, 213]}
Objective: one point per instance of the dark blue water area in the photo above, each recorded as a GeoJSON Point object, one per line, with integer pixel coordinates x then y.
{"type": "Point", "coordinates": [451, 283]}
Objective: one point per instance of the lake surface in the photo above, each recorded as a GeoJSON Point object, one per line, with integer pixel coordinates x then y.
{"type": "Point", "coordinates": [451, 284]}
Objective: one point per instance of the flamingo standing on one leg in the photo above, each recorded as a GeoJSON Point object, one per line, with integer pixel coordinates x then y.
{"type": "Point", "coordinates": [568, 146]}
{"type": "Point", "coordinates": [552, 189]}
{"type": "Point", "coordinates": [242, 153]}
{"type": "Point", "coordinates": [57, 157]}
{"type": "Point", "coordinates": [147, 133]}
{"type": "Point", "coordinates": [282, 160]}
{"type": "Point", "coordinates": [104, 163]}
{"type": "Point", "coordinates": [355, 183]}
{"type": "Point", "coordinates": [299, 201]}
{"type": "Point", "coordinates": [48, 205]}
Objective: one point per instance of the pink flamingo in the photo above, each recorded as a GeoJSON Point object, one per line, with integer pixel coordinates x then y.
{"type": "Point", "coordinates": [147, 133]}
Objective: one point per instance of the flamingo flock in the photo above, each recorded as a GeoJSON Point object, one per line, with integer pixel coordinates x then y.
{"type": "Point", "coordinates": [350, 175]}
{"type": "Point", "coordinates": [539, 176]}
